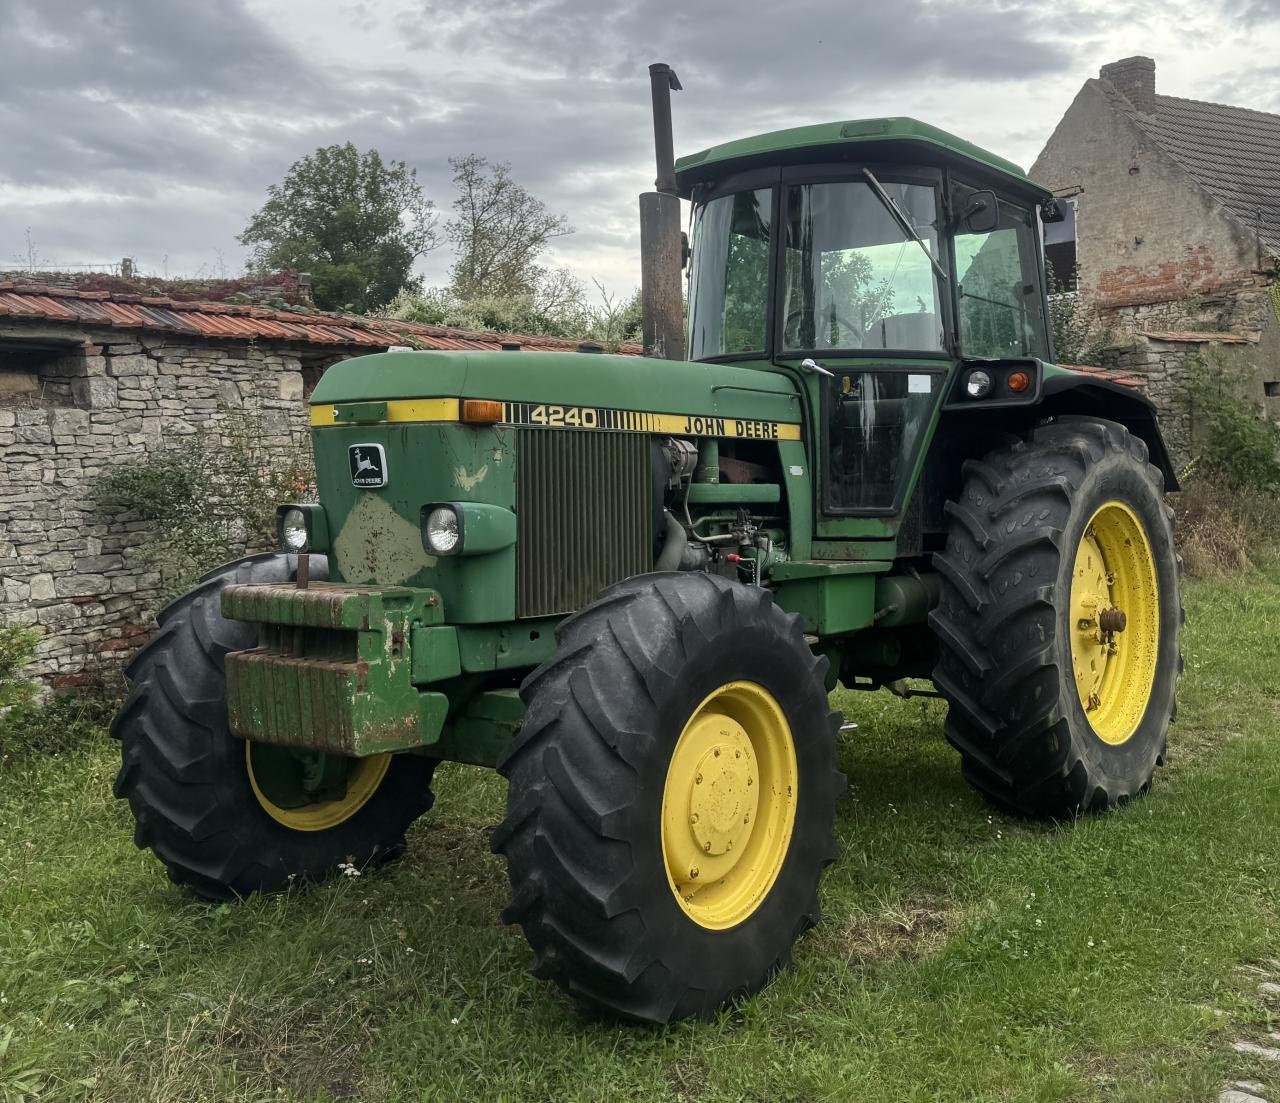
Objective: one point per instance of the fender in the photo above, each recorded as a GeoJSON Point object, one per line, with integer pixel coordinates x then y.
{"type": "Point", "coordinates": [1083, 394]}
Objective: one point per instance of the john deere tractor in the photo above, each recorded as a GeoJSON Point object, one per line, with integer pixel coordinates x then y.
{"type": "Point", "coordinates": [629, 584]}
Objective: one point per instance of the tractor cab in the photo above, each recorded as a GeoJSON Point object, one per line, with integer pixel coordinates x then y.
{"type": "Point", "coordinates": [873, 257]}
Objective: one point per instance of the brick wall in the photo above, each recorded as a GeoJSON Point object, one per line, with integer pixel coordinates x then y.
{"type": "Point", "coordinates": [63, 567]}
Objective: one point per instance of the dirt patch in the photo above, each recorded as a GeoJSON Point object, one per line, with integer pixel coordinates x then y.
{"type": "Point", "coordinates": [912, 928]}
{"type": "Point", "coordinates": [686, 1078]}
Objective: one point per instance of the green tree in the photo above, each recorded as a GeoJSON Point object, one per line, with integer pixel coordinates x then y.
{"type": "Point", "coordinates": [498, 230]}
{"type": "Point", "coordinates": [355, 222]}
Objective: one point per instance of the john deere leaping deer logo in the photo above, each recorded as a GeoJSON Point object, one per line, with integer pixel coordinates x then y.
{"type": "Point", "coordinates": [368, 465]}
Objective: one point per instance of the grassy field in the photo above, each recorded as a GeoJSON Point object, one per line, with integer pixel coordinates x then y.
{"type": "Point", "coordinates": [962, 955]}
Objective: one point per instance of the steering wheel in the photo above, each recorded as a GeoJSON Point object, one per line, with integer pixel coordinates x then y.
{"type": "Point", "coordinates": [796, 316]}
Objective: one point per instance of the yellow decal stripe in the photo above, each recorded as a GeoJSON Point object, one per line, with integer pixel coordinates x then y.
{"type": "Point", "coordinates": [547, 416]}
{"type": "Point", "coordinates": [400, 409]}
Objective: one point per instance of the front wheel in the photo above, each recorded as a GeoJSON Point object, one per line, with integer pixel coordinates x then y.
{"type": "Point", "coordinates": [229, 817]}
{"type": "Point", "coordinates": [1058, 620]}
{"type": "Point", "coordinates": [671, 799]}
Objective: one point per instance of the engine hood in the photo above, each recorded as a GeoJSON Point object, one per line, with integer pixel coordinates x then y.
{"type": "Point", "coordinates": [569, 379]}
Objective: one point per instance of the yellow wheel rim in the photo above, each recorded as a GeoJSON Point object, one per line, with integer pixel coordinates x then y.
{"type": "Point", "coordinates": [1115, 622]}
{"type": "Point", "coordinates": [729, 805]}
{"type": "Point", "coordinates": [275, 775]}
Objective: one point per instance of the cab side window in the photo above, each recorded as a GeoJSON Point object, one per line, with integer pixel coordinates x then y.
{"type": "Point", "coordinates": [998, 283]}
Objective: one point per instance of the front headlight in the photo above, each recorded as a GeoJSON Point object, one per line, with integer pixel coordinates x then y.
{"type": "Point", "coordinates": [294, 535]}
{"type": "Point", "coordinates": [978, 385]}
{"type": "Point", "coordinates": [302, 527]}
{"type": "Point", "coordinates": [442, 532]}
{"type": "Point", "coordinates": [466, 528]}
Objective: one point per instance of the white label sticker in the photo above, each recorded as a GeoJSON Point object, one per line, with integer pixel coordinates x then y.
{"type": "Point", "coordinates": [796, 470]}
{"type": "Point", "coordinates": [918, 384]}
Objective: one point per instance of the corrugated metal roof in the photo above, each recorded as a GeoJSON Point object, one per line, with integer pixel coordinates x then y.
{"type": "Point", "coordinates": [30, 302]}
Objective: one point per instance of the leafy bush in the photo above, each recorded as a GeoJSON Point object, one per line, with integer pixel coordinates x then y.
{"type": "Point", "coordinates": [558, 308]}
{"type": "Point", "coordinates": [17, 649]}
{"type": "Point", "coordinates": [1234, 444]}
{"type": "Point", "coordinates": [1229, 507]}
{"type": "Point", "coordinates": [210, 496]}
{"type": "Point", "coordinates": [1078, 334]}
{"type": "Point", "coordinates": [32, 724]}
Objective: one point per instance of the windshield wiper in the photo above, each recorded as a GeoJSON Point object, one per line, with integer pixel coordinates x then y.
{"type": "Point", "coordinates": [902, 220]}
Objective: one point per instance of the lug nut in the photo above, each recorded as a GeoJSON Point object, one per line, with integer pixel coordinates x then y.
{"type": "Point", "coordinates": [693, 874]}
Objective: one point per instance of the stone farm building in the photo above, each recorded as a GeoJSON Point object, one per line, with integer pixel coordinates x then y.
{"type": "Point", "coordinates": [90, 378]}
{"type": "Point", "coordinates": [1175, 232]}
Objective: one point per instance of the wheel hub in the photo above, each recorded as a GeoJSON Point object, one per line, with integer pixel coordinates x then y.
{"type": "Point", "coordinates": [723, 797]}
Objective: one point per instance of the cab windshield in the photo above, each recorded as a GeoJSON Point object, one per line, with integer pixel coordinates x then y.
{"type": "Point", "coordinates": [853, 278]}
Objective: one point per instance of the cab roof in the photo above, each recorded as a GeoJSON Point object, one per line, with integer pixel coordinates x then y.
{"type": "Point", "coordinates": [894, 139]}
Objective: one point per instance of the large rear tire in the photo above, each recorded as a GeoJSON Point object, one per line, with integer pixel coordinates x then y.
{"type": "Point", "coordinates": [226, 817]}
{"type": "Point", "coordinates": [1058, 620]}
{"type": "Point", "coordinates": [671, 800]}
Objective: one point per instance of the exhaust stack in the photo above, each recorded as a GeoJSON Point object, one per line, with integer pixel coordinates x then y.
{"type": "Point", "coordinates": [661, 259]}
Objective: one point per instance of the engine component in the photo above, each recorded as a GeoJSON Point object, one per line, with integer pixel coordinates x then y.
{"type": "Point", "coordinates": [682, 456]}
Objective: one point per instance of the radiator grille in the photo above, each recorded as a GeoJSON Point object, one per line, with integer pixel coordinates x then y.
{"type": "Point", "coordinates": [584, 516]}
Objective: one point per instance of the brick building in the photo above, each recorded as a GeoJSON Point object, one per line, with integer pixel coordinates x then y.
{"type": "Point", "coordinates": [88, 378]}
{"type": "Point", "coordinates": [1174, 234]}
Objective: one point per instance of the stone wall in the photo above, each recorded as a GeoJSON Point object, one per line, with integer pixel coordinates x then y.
{"type": "Point", "coordinates": [100, 398]}
{"type": "Point", "coordinates": [1246, 318]}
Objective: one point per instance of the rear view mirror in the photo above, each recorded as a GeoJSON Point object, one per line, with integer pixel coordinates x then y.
{"type": "Point", "coordinates": [981, 213]}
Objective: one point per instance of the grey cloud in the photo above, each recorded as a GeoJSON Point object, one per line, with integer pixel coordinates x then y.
{"type": "Point", "coordinates": [142, 98]}
{"type": "Point", "coordinates": [1252, 12]}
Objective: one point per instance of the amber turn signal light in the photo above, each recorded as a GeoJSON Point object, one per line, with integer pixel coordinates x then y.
{"type": "Point", "coordinates": [481, 411]}
{"type": "Point", "coordinates": [1019, 381]}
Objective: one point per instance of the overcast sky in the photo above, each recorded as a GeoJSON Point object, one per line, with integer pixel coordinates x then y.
{"type": "Point", "coordinates": [151, 128]}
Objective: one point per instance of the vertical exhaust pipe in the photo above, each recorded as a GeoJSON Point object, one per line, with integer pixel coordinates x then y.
{"type": "Point", "coordinates": [661, 253]}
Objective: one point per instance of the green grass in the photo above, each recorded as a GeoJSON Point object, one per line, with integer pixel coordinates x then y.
{"type": "Point", "coordinates": [963, 955]}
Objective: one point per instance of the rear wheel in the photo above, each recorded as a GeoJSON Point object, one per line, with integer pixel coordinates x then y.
{"type": "Point", "coordinates": [229, 817]}
{"type": "Point", "coordinates": [671, 800]}
{"type": "Point", "coordinates": [1058, 620]}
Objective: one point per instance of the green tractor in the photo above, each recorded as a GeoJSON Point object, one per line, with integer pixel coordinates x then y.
{"type": "Point", "coordinates": [630, 584]}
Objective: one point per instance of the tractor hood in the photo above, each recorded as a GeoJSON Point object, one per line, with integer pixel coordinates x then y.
{"type": "Point", "coordinates": [578, 379]}
{"type": "Point", "coordinates": [559, 459]}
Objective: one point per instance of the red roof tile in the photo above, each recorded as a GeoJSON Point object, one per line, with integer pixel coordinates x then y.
{"type": "Point", "coordinates": [1109, 374]}
{"type": "Point", "coordinates": [29, 302]}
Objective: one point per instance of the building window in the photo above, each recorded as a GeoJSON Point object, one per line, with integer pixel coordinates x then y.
{"type": "Point", "coordinates": [1060, 249]}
